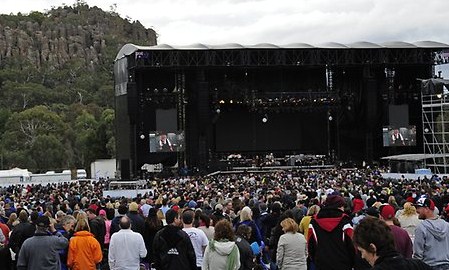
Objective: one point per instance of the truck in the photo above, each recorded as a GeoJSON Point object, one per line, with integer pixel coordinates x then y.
{"type": "Point", "coordinates": [81, 174]}
{"type": "Point", "coordinates": [51, 177]}
{"type": "Point", "coordinates": [103, 169]}
{"type": "Point", "coordinates": [14, 176]}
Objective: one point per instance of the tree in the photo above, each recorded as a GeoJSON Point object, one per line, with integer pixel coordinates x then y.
{"type": "Point", "coordinates": [47, 152]}
{"type": "Point", "coordinates": [34, 138]}
{"type": "Point", "coordinates": [107, 125]}
{"type": "Point", "coordinates": [86, 142]}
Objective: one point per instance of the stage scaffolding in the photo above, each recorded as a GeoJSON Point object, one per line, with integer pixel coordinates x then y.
{"type": "Point", "coordinates": [435, 117]}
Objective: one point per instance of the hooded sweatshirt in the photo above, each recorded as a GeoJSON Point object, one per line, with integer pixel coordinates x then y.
{"type": "Point", "coordinates": [330, 240]}
{"type": "Point", "coordinates": [431, 238]}
{"type": "Point", "coordinates": [216, 256]}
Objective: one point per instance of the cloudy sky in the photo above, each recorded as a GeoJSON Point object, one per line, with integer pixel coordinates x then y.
{"type": "Point", "coordinates": [181, 22]}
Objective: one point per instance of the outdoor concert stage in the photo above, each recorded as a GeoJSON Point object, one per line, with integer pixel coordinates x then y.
{"type": "Point", "coordinates": [192, 105]}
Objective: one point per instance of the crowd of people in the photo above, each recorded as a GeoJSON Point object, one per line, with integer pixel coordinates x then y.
{"type": "Point", "coordinates": [299, 219]}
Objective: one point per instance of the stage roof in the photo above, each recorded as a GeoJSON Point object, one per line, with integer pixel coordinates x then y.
{"type": "Point", "coordinates": [131, 48]}
{"type": "Point", "coordinates": [414, 157]}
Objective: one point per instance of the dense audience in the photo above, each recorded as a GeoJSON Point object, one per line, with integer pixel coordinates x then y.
{"type": "Point", "coordinates": [270, 220]}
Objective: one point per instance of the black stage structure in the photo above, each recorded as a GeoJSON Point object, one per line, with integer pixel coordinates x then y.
{"type": "Point", "coordinates": [331, 99]}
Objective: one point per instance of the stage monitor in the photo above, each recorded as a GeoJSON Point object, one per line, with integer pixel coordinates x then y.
{"type": "Point", "coordinates": [166, 141]}
{"type": "Point", "coordinates": [399, 136]}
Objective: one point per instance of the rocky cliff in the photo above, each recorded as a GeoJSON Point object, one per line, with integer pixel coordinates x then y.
{"type": "Point", "coordinates": [53, 38]}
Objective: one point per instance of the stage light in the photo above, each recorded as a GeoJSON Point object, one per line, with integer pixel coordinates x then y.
{"type": "Point", "coordinates": [231, 101]}
{"type": "Point", "coordinates": [142, 136]}
{"type": "Point", "coordinates": [156, 91]}
{"type": "Point", "coordinates": [426, 130]}
{"type": "Point", "coordinates": [165, 90]}
{"type": "Point", "coordinates": [218, 111]}
{"type": "Point", "coordinates": [330, 118]}
{"type": "Point", "coordinates": [439, 95]}
{"type": "Point", "coordinates": [221, 101]}
{"type": "Point", "coordinates": [265, 119]}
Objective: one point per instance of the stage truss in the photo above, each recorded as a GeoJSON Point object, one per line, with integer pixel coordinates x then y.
{"type": "Point", "coordinates": [435, 115]}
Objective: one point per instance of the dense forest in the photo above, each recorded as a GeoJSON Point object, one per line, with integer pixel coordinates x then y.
{"type": "Point", "coordinates": [56, 85]}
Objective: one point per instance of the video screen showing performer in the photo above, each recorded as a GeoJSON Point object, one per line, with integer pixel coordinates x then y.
{"type": "Point", "coordinates": [166, 141]}
{"type": "Point", "coordinates": [399, 136]}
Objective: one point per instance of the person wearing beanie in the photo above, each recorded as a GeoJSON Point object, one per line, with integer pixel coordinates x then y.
{"type": "Point", "coordinates": [137, 220]}
{"type": "Point", "coordinates": [402, 240]}
{"type": "Point", "coordinates": [330, 237]}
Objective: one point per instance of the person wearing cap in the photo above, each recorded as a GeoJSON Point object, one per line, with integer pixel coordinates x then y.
{"type": "Point", "coordinates": [218, 213]}
{"type": "Point", "coordinates": [374, 240]}
{"type": "Point", "coordinates": [431, 236]}
{"type": "Point", "coordinates": [126, 248]}
{"type": "Point", "coordinates": [402, 240]}
{"type": "Point", "coordinates": [330, 237]}
{"type": "Point", "coordinates": [107, 223]}
{"type": "Point", "coordinates": [42, 250]}
{"type": "Point", "coordinates": [137, 220]}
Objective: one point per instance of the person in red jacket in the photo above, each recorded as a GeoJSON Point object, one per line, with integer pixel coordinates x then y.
{"type": "Point", "coordinates": [330, 237]}
{"type": "Point", "coordinates": [358, 203]}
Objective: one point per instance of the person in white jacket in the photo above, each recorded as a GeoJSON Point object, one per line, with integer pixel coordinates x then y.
{"type": "Point", "coordinates": [222, 253]}
{"type": "Point", "coordinates": [126, 248]}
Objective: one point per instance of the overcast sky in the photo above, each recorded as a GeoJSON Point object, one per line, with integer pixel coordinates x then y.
{"type": "Point", "coordinates": [181, 22]}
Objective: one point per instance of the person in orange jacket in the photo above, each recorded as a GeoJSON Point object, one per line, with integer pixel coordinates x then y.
{"type": "Point", "coordinates": [84, 250]}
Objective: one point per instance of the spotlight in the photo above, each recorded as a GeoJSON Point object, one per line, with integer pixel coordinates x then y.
{"type": "Point", "coordinates": [426, 130]}
{"type": "Point", "coordinates": [265, 119]}
{"type": "Point", "coordinates": [156, 91]}
{"type": "Point", "coordinates": [142, 136]}
{"type": "Point", "coordinates": [218, 110]}
{"type": "Point", "coordinates": [330, 118]}
{"type": "Point", "coordinates": [439, 96]}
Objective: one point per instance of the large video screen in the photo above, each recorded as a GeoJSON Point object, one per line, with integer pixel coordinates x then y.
{"type": "Point", "coordinates": [399, 136]}
{"type": "Point", "coordinates": [166, 141]}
